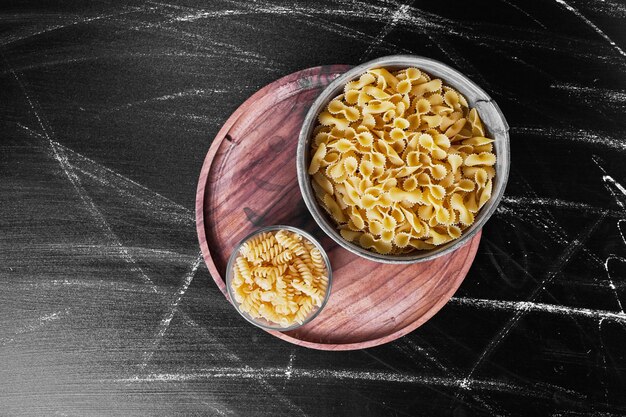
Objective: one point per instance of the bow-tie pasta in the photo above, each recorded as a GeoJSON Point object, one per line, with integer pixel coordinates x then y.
{"type": "Point", "coordinates": [401, 162]}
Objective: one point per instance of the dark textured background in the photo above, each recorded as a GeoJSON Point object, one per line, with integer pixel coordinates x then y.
{"type": "Point", "coordinates": [106, 113]}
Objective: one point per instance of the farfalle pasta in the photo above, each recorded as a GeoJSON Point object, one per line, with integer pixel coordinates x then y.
{"type": "Point", "coordinates": [279, 276]}
{"type": "Point", "coordinates": [401, 162]}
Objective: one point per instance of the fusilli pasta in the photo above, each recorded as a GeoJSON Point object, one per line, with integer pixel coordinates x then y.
{"type": "Point", "coordinates": [279, 276]}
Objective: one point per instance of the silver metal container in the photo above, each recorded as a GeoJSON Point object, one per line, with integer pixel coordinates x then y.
{"type": "Point", "coordinates": [490, 114]}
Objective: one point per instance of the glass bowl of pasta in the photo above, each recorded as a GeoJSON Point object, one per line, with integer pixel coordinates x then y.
{"type": "Point", "coordinates": [279, 278]}
{"type": "Point", "coordinates": [402, 159]}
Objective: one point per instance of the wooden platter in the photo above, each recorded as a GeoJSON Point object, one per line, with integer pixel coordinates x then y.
{"type": "Point", "coordinates": [248, 180]}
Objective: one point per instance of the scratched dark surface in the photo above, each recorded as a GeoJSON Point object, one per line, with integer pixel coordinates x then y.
{"type": "Point", "coordinates": [106, 113]}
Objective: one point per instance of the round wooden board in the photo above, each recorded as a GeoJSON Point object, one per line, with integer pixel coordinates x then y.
{"type": "Point", "coordinates": [249, 180]}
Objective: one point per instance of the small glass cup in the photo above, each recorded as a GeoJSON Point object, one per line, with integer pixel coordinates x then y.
{"type": "Point", "coordinates": [261, 322]}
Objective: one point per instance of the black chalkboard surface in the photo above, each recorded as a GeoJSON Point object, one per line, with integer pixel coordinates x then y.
{"type": "Point", "coordinates": [106, 307]}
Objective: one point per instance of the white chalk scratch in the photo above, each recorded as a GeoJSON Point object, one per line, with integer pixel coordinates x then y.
{"type": "Point", "coordinates": [430, 357]}
{"type": "Point", "coordinates": [590, 24]}
{"type": "Point", "coordinates": [518, 37]}
{"type": "Point", "coordinates": [436, 28]}
{"type": "Point", "coordinates": [620, 228]}
{"type": "Point", "coordinates": [169, 207]}
{"type": "Point", "coordinates": [36, 324]}
{"type": "Point", "coordinates": [576, 135]}
{"type": "Point", "coordinates": [428, 24]}
{"type": "Point", "coordinates": [194, 92]}
{"type": "Point", "coordinates": [222, 410]}
{"type": "Point", "coordinates": [594, 95]}
{"type": "Point", "coordinates": [87, 285]}
{"type": "Point", "coordinates": [155, 203]}
{"type": "Point", "coordinates": [563, 259]}
{"type": "Point", "coordinates": [618, 191]}
{"type": "Point", "coordinates": [49, 29]}
{"type": "Point", "coordinates": [615, 189]}
{"type": "Point", "coordinates": [317, 17]}
{"type": "Point", "coordinates": [541, 217]}
{"type": "Point", "coordinates": [153, 255]}
{"type": "Point", "coordinates": [224, 352]}
{"type": "Point", "coordinates": [389, 26]}
{"type": "Point", "coordinates": [52, 316]}
{"type": "Point", "coordinates": [248, 373]}
{"type": "Point", "coordinates": [452, 372]}
{"type": "Point", "coordinates": [362, 11]}
{"type": "Point", "coordinates": [289, 368]}
{"type": "Point", "coordinates": [91, 207]}
{"type": "Point", "coordinates": [174, 306]}
{"type": "Point", "coordinates": [611, 183]}
{"type": "Point", "coordinates": [604, 367]}
{"type": "Point", "coordinates": [222, 49]}
{"type": "Point", "coordinates": [610, 278]}
{"type": "Point", "coordinates": [207, 14]}
{"type": "Point", "coordinates": [529, 306]}
{"type": "Point", "coordinates": [611, 8]}
{"type": "Point", "coordinates": [524, 12]}
{"type": "Point", "coordinates": [570, 413]}
{"type": "Point", "coordinates": [219, 351]}
{"type": "Point", "coordinates": [516, 203]}
{"type": "Point", "coordinates": [118, 56]}
{"type": "Point", "coordinates": [165, 322]}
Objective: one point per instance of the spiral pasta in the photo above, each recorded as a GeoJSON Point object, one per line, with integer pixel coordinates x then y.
{"type": "Point", "coordinates": [401, 162]}
{"type": "Point", "coordinates": [279, 276]}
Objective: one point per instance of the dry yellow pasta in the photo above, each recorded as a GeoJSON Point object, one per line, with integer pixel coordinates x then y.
{"type": "Point", "coordinates": [400, 162]}
{"type": "Point", "coordinates": [279, 276]}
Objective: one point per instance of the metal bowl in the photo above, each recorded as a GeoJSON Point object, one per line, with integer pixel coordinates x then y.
{"type": "Point", "coordinates": [261, 322]}
{"type": "Point", "coordinates": [493, 121]}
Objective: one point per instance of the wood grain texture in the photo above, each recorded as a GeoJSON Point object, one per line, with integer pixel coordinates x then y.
{"type": "Point", "coordinates": [249, 181]}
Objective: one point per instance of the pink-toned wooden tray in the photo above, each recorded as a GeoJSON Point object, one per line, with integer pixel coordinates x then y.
{"type": "Point", "coordinates": [249, 180]}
